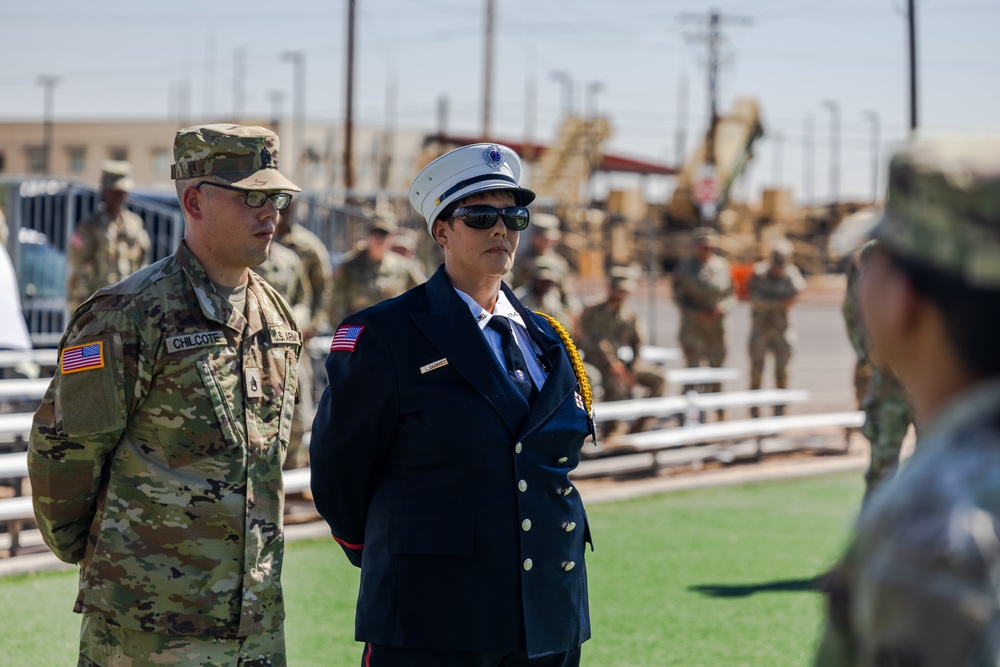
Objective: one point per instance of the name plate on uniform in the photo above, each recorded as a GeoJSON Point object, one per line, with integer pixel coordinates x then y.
{"type": "Point", "coordinates": [193, 340]}
{"type": "Point", "coordinates": [284, 336]}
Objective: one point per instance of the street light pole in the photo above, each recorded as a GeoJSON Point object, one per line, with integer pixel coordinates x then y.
{"type": "Point", "coordinates": [593, 88]}
{"type": "Point", "coordinates": [834, 108]}
{"type": "Point", "coordinates": [48, 83]}
{"type": "Point", "coordinates": [297, 58]}
{"type": "Point", "coordinates": [567, 91]}
{"type": "Point", "coordinates": [874, 120]}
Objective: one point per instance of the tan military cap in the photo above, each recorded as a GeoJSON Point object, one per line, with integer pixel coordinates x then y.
{"type": "Point", "coordinates": [239, 155]}
{"type": "Point", "coordinates": [116, 175]}
{"type": "Point", "coordinates": [385, 223]}
{"type": "Point", "coordinates": [943, 207]}
{"type": "Point", "coordinates": [546, 268]}
{"type": "Point", "coordinates": [547, 224]}
{"type": "Point", "coordinates": [622, 278]}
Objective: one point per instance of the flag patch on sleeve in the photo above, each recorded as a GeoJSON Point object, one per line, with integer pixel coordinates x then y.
{"type": "Point", "coordinates": [346, 337]}
{"type": "Point", "coordinates": [82, 358]}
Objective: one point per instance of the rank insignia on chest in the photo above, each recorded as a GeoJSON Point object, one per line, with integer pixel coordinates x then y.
{"type": "Point", "coordinates": [346, 337]}
{"type": "Point", "coordinates": [579, 400]}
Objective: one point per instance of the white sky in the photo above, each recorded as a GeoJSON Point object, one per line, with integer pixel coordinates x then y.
{"type": "Point", "coordinates": [125, 59]}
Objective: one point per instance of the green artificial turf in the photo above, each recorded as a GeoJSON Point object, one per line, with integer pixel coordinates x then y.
{"type": "Point", "coordinates": [712, 577]}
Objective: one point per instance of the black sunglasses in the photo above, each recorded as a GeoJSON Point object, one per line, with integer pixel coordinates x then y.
{"type": "Point", "coordinates": [255, 198]}
{"type": "Point", "coordinates": [482, 216]}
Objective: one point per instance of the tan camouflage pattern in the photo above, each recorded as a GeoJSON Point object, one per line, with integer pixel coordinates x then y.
{"type": "Point", "coordinates": [316, 260]}
{"type": "Point", "coordinates": [241, 155]}
{"type": "Point", "coordinates": [918, 585]}
{"type": "Point", "coordinates": [771, 297]}
{"type": "Point", "coordinates": [547, 302]}
{"type": "Point", "coordinates": [704, 294]}
{"type": "Point", "coordinates": [103, 251]}
{"type": "Point", "coordinates": [601, 331]}
{"type": "Point", "coordinates": [160, 473]}
{"type": "Point", "coordinates": [943, 205]}
{"type": "Point", "coordinates": [888, 413]}
{"type": "Point", "coordinates": [361, 282]}
{"type": "Point", "coordinates": [103, 643]}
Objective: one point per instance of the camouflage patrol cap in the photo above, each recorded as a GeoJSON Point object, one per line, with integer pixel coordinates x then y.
{"type": "Point", "coordinates": [546, 268]}
{"type": "Point", "coordinates": [622, 278]}
{"type": "Point", "coordinates": [781, 251]}
{"type": "Point", "coordinates": [239, 155]}
{"type": "Point", "coordinates": [705, 236]}
{"type": "Point", "coordinates": [385, 223]}
{"type": "Point", "coordinates": [116, 175]}
{"type": "Point", "coordinates": [546, 224]}
{"type": "Point", "coordinates": [943, 207]}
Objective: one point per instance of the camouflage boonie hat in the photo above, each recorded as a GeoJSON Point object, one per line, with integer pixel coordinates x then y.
{"type": "Point", "coordinates": [238, 155]}
{"type": "Point", "coordinates": [943, 207]}
{"type": "Point", "coordinates": [116, 175]}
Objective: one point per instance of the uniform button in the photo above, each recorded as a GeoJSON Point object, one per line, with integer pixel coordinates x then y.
{"type": "Point", "coordinates": [563, 459]}
{"type": "Point", "coordinates": [517, 448]}
{"type": "Point", "coordinates": [568, 565]}
{"type": "Point", "coordinates": [569, 526]}
{"type": "Point", "coordinates": [522, 485]}
{"type": "Point", "coordinates": [526, 524]}
{"type": "Point", "coordinates": [568, 490]}
{"type": "Point", "coordinates": [527, 564]}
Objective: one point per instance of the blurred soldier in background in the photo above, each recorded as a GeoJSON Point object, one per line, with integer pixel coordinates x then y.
{"type": "Point", "coordinates": [371, 274]}
{"type": "Point", "coordinates": [316, 262]}
{"type": "Point", "coordinates": [612, 324]}
{"type": "Point", "coordinates": [919, 583]}
{"type": "Point", "coordinates": [109, 245]}
{"type": "Point", "coordinates": [286, 273]}
{"type": "Point", "coordinates": [703, 291]}
{"type": "Point", "coordinates": [880, 394]}
{"type": "Point", "coordinates": [541, 291]}
{"type": "Point", "coordinates": [545, 235]}
{"type": "Point", "coordinates": [774, 286]}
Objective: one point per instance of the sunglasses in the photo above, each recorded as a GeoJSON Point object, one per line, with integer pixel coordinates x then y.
{"type": "Point", "coordinates": [482, 216]}
{"type": "Point", "coordinates": [255, 198]}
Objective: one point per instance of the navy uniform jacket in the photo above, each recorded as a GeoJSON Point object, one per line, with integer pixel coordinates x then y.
{"type": "Point", "coordinates": [445, 489]}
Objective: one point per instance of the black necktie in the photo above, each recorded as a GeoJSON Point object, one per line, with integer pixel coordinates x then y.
{"type": "Point", "coordinates": [517, 369]}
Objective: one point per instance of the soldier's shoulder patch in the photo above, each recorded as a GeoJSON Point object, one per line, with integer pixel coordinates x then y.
{"type": "Point", "coordinates": [82, 358]}
{"type": "Point", "coordinates": [346, 337]}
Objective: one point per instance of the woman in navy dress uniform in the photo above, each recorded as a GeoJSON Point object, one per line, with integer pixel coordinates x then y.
{"type": "Point", "coordinates": [442, 446]}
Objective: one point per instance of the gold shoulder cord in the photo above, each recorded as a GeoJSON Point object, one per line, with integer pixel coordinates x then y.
{"type": "Point", "coordinates": [578, 369]}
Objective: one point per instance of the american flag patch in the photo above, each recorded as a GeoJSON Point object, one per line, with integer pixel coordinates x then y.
{"type": "Point", "coordinates": [82, 357]}
{"type": "Point", "coordinates": [346, 337]}
{"type": "Point", "coordinates": [579, 400]}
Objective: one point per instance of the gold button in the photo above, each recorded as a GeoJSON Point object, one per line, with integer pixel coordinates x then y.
{"type": "Point", "coordinates": [569, 526]}
{"type": "Point", "coordinates": [568, 565]}
{"type": "Point", "coordinates": [526, 524]}
{"type": "Point", "coordinates": [517, 448]}
{"type": "Point", "coordinates": [563, 459]}
{"type": "Point", "coordinates": [527, 564]}
{"type": "Point", "coordinates": [522, 485]}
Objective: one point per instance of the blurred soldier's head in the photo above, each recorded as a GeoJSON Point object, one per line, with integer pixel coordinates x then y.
{"type": "Point", "coordinates": [380, 228]}
{"type": "Point", "coordinates": [545, 233]}
{"type": "Point", "coordinates": [781, 254]}
{"type": "Point", "coordinates": [621, 284]}
{"type": "Point", "coordinates": [116, 183]}
{"type": "Point", "coordinates": [930, 292]}
{"type": "Point", "coordinates": [544, 275]}
{"type": "Point", "coordinates": [404, 243]}
{"type": "Point", "coordinates": [706, 242]}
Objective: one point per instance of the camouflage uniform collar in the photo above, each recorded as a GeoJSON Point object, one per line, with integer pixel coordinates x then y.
{"type": "Point", "coordinates": [213, 306]}
{"type": "Point", "coordinates": [973, 406]}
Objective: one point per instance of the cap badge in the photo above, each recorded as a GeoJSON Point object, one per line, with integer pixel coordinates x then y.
{"type": "Point", "coordinates": [265, 158]}
{"type": "Point", "coordinates": [493, 156]}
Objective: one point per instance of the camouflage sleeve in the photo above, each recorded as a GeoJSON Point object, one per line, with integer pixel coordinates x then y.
{"type": "Point", "coordinates": [302, 298]}
{"type": "Point", "coordinates": [340, 299]}
{"type": "Point", "coordinates": [591, 339]}
{"type": "Point", "coordinates": [322, 288]}
{"type": "Point", "coordinates": [79, 423]}
{"type": "Point", "coordinates": [80, 269]}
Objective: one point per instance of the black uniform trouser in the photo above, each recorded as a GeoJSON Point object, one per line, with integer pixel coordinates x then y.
{"type": "Point", "coordinates": [377, 655]}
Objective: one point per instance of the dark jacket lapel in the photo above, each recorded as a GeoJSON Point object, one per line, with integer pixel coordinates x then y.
{"type": "Point", "coordinates": [450, 328]}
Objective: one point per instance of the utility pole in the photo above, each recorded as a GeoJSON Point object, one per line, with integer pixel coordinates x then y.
{"type": "Point", "coordinates": [239, 83]}
{"type": "Point", "coordinates": [349, 101]}
{"type": "Point", "coordinates": [834, 110]}
{"type": "Point", "coordinates": [488, 67]}
{"type": "Point", "coordinates": [297, 58]}
{"type": "Point", "coordinates": [530, 113]}
{"type": "Point", "coordinates": [912, 24]}
{"type": "Point", "coordinates": [681, 132]}
{"type": "Point", "coordinates": [808, 159]}
{"type": "Point", "coordinates": [276, 97]}
{"type": "Point", "coordinates": [874, 120]}
{"type": "Point", "coordinates": [566, 80]}
{"type": "Point", "coordinates": [48, 83]}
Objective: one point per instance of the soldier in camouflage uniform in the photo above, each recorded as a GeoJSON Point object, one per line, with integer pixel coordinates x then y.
{"type": "Point", "coordinates": [545, 235]}
{"type": "Point", "coordinates": [111, 244]}
{"type": "Point", "coordinates": [612, 324]}
{"type": "Point", "coordinates": [919, 582]}
{"type": "Point", "coordinates": [155, 456]}
{"type": "Point", "coordinates": [316, 261]}
{"type": "Point", "coordinates": [774, 286]}
{"type": "Point", "coordinates": [285, 272]}
{"type": "Point", "coordinates": [703, 291]}
{"type": "Point", "coordinates": [371, 274]}
{"type": "Point", "coordinates": [880, 394]}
